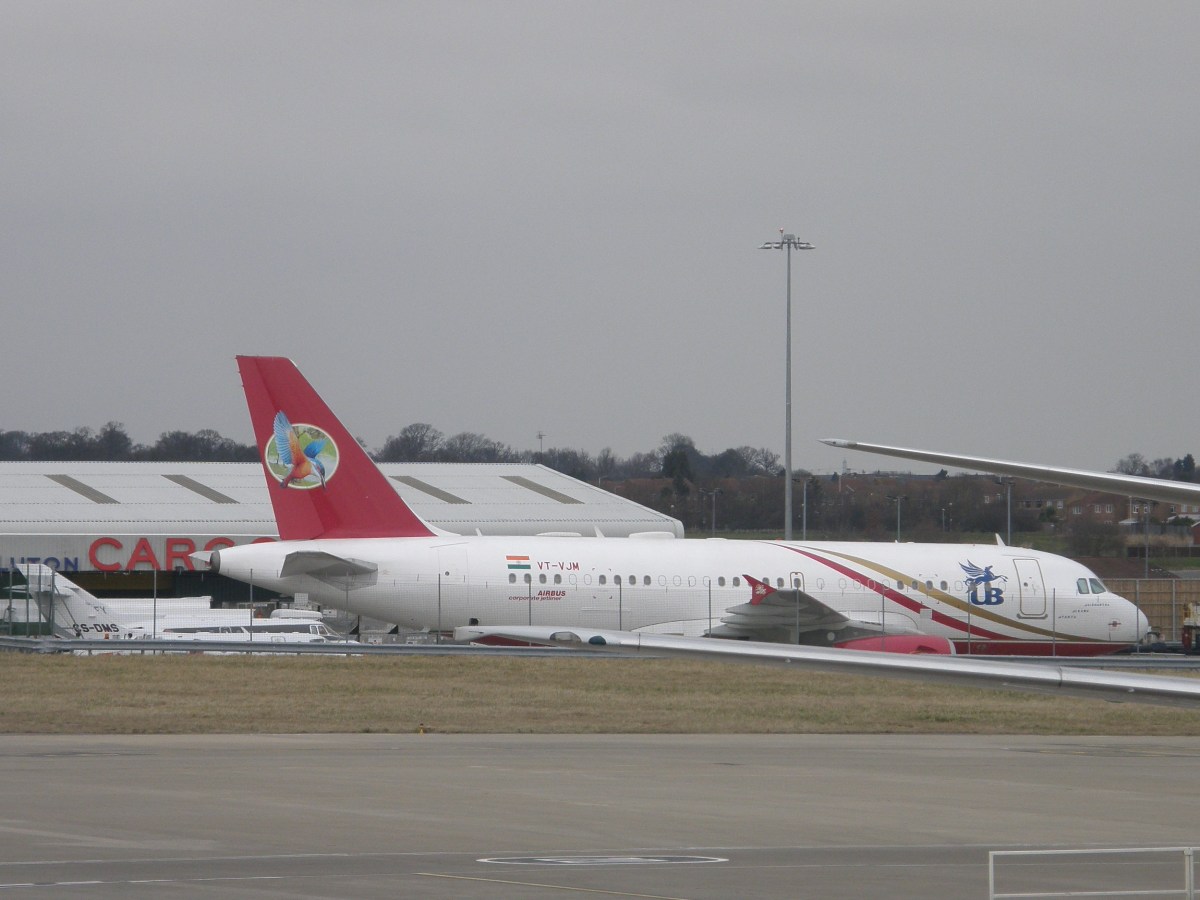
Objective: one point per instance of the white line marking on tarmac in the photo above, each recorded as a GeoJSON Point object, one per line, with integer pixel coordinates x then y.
{"type": "Point", "coordinates": [58, 884]}
{"type": "Point", "coordinates": [552, 887]}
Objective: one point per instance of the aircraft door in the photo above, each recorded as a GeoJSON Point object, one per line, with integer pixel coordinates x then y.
{"type": "Point", "coordinates": [1031, 587]}
{"type": "Point", "coordinates": [606, 606]}
{"type": "Point", "coordinates": [796, 581]}
{"type": "Point", "coordinates": [454, 599]}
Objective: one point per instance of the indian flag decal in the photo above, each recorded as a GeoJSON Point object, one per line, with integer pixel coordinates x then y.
{"type": "Point", "coordinates": [518, 562]}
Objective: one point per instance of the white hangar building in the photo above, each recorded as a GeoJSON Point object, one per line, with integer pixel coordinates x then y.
{"type": "Point", "coordinates": [115, 527]}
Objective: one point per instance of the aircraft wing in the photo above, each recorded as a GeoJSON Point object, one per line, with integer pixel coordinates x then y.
{"type": "Point", "coordinates": [962, 670]}
{"type": "Point", "coordinates": [771, 609]}
{"type": "Point", "coordinates": [1110, 482]}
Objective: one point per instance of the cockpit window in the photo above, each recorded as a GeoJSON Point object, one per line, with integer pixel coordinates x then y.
{"type": "Point", "coordinates": [1082, 585]}
{"type": "Point", "coordinates": [1097, 587]}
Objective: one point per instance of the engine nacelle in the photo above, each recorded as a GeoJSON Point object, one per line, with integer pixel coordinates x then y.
{"type": "Point", "coordinates": [901, 643]}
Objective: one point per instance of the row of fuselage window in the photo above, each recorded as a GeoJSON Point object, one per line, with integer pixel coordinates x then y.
{"type": "Point", "coordinates": [632, 580]}
{"type": "Point", "coordinates": [720, 581]}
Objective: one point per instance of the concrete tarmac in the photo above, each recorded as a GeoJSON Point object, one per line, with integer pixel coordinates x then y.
{"type": "Point", "coordinates": [520, 816]}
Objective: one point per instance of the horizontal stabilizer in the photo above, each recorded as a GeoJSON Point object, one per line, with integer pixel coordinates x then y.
{"type": "Point", "coordinates": [42, 581]}
{"type": "Point", "coordinates": [321, 564]}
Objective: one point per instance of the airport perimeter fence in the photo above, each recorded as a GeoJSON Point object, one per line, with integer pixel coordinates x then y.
{"type": "Point", "coordinates": [436, 604]}
{"type": "Point", "coordinates": [1165, 601]}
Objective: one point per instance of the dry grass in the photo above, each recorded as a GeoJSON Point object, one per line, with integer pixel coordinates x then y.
{"type": "Point", "coordinates": [198, 694]}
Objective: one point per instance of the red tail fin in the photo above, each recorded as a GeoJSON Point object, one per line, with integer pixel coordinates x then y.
{"type": "Point", "coordinates": [322, 483]}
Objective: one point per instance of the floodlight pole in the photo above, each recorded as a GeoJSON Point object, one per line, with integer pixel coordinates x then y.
{"type": "Point", "coordinates": [789, 243]}
{"type": "Point", "coordinates": [1008, 485]}
{"type": "Point", "coordinates": [713, 493]}
{"type": "Point", "coordinates": [897, 500]}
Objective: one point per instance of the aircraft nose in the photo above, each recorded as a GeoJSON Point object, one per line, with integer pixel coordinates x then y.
{"type": "Point", "coordinates": [1143, 624]}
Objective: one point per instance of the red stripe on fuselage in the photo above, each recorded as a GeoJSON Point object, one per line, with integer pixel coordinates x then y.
{"type": "Point", "coordinates": [888, 593]}
{"type": "Point", "coordinates": [1003, 647]}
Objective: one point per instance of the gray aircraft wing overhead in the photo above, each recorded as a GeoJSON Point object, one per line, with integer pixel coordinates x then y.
{"type": "Point", "coordinates": [1038, 677]}
{"type": "Point", "coordinates": [1109, 482]}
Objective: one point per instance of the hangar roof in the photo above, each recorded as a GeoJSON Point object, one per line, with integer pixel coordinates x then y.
{"type": "Point", "coordinates": [232, 499]}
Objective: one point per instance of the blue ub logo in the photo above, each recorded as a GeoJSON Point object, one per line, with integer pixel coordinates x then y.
{"type": "Point", "coordinates": [982, 577]}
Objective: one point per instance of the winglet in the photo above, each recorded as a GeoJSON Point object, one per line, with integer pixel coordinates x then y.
{"type": "Point", "coordinates": [759, 590]}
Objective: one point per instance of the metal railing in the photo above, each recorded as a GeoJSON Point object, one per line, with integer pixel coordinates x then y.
{"type": "Point", "coordinates": [152, 647]}
{"type": "Point", "coordinates": [1188, 890]}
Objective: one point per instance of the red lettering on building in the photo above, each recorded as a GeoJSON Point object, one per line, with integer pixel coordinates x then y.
{"type": "Point", "coordinates": [94, 550]}
{"type": "Point", "coordinates": [143, 553]}
{"type": "Point", "coordinates": [177, 553]}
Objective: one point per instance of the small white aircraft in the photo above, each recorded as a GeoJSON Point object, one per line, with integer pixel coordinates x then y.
{"type": "Point", "coordinates": [77, 613]}
{"type": "Point", "coordinates": [1111, 482]}
{"type": "Point", "coordinates": [348, 540]}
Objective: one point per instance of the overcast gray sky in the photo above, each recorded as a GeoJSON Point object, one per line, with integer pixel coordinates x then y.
{"type": "Point", "coordinates": [515, 217]}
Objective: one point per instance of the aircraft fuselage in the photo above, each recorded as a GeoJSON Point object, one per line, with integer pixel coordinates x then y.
{"type": "Point", "coordinates": [986, 599]}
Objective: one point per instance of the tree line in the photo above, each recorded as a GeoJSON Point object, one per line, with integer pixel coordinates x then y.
{"type": "Point", "coordinates": [112, 444]}
{"type": "Point", "coordinates": [677, 456]}
{"type": "Point", "coordinates": [1182, 469]}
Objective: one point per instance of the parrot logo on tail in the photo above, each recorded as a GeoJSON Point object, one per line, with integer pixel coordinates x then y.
{"type": "Point", "coordinates": [300, 456]}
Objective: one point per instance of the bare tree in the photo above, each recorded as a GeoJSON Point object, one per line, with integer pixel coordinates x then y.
{"type": "Point", "coordinates": [418, 442]}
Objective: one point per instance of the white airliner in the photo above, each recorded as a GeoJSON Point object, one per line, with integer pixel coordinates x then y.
{"type": "Point", "coordinates": [1136, 486]}
{"type": "Point", "coordinates": [76, 613]}
{"type": "Point", "coordinates": [348, 540]}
